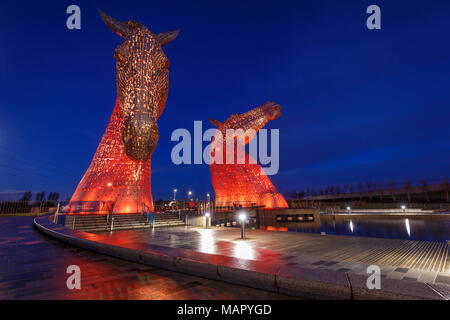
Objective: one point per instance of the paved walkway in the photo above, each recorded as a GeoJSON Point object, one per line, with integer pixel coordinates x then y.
{"type": "Point", "coordinates": [299, 264]}
{"type": "Point", "coordinates": [419, 261]}
{"type": "Point", "coordinates": [33, 266]}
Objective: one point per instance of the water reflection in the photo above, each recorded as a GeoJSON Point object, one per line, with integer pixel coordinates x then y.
{"type": "Point", "coordinates": [424, 229]}
{"type": "Point", "coordinates": [408, 229]}
{"type": "Point", "coordinates": [243, 250]}
{"type": "Point", "coordinates": [207, 242]}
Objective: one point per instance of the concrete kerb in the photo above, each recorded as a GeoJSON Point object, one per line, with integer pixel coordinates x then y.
{"type": "Point", "coordinates": [392, 289]}
{"type": "Point", "coordinates": [313, 283]}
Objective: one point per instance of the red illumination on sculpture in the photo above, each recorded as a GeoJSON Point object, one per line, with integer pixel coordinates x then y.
{"type": "Point", "coordinates": [118, 178]}
{"type": "Point", "coordinates": [242, 183]}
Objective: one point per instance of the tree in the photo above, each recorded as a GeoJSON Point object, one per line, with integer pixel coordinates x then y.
{"type": "Point", "coordinates": [332, 191]}
{"type": "Point", "coordinates": [361, 190]}
{"type": "Point", "coordinates": [301, 195]}
{"type": "Point", "coordinates": [380, 189]}
{"type": "Point", "coordinates": [308, 192]}
{"type": "Point", "coordinates": [351, 188]}
{"type": "Point", "coordinates": [27, 195]}
{"type": "Point", "coordinates": [53, 196]}
{"type": "Point", "coordinates": [392, 186]}
{"type": "Point", "coordinates": [369, 189]}
{"type": "Point", "coordinates": [447, 187]}
{"type": "Point", "coordinates": [424, 185]}
{"type": "Point", "coordinates": [292, 194]}
{"type": "Point", "coordinates": [408, 188]}
{"type": "Point", "coordinates": [40, 196]}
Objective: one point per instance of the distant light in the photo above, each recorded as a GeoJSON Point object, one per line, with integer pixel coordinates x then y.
{"type": "Point", "coordinates": [242, 216]}
{"type": "Point", "coordinates": [109, 184]}
{"type": "Point", "coordinates": [351, 226]}
{"type": "Point", "coordinates": [190, 192]}
{"type": "Point", "coordinates": [349, 208]}
{"type": "Point", "coordinates": [175, 190]}
{"type": "Point", "coordinates": [403, 207]}
{"type": "Point", "coordinates": [207, 214]}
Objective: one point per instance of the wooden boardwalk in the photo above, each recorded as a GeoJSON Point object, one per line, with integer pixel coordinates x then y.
{"type": "Point", "coordinates": [420, 255]}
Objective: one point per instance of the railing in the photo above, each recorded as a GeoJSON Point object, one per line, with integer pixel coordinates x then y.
{"type": "Point", "coordinates": [29, 207]}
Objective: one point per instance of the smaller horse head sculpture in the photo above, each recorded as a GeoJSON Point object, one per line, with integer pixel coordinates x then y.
{"type": "Point", "coordinates": [142, 83]}
{"type": "Point", "coordinates": [250, 122]}
{"type": "Point", "coordinates": [242, 181]}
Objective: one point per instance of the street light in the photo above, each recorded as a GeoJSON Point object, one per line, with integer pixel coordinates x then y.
{"type": "Point", "coordinates": [206, 220]}
{"type": "Point", "coordinates": [189, 194]}
{"type": "Point", "coordinates": [242, 218]}
{"type": "Point", "coordinates": [349, 209]}
{"type": "Point", "coordinates": [403, 208]}
{"type": "Point", "coordinates": [174, 193]}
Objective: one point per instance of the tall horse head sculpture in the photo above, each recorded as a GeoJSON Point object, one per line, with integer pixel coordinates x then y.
{"type": "Point", "coordinates": [142, 83]}
{"type": "Point", "coordinates": [121, 169]}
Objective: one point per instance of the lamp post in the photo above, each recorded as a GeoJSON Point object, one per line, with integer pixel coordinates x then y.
{"type": "Point", "coordinates": [349, 209]}
{"type": "Point", "coordinates": [403, 208]}
{"type": "Point", "coordinates": [189, 194]}
{"type": "Point", "coordinates": [207, 200]}
{"type": "Point", "coordinates": [206, 220]}
{"type": "Point", "coordinates": [174, 193]}
{"type": "Point", "coordinates": [242, 218]}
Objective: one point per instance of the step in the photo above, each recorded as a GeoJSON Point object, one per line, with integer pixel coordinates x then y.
{"type": "Point", "coordinates": [128, 221]}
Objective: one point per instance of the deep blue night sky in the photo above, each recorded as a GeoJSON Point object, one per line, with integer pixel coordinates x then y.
{"type": "Point", "coordinates": [357, 105]}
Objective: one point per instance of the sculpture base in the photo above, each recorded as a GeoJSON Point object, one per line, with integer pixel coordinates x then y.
{"type": "Point", "coordinates": [113, 179]}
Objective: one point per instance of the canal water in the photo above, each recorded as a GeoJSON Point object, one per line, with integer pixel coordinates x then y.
{"type": "Point", "coordinates": [424, 229]}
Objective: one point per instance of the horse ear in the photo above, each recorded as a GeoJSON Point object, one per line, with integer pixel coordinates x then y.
{"type": "Point", "coordinates": [121, 28]}
{"type": "Point", "coordinates": [215, 122]}
{"type": "Point", "coordinates": [165, 37]}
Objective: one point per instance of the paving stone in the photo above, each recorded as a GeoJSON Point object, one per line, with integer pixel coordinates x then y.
{"type": "Point", "coordinates": [443, 279]}
{"type": "Point", "coordinates": [427, 277]}
{"type": "Point", "coordinates": [395, 275]}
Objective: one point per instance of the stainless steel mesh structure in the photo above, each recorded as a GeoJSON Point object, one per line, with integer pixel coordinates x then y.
{"type": "Point", "coordinates": [236, 183]}
{"type": "Point", "coordinates": [120, 172]}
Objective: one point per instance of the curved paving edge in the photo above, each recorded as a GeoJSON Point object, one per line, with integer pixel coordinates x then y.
{"type": "Point", "coordinates": [292, 280]}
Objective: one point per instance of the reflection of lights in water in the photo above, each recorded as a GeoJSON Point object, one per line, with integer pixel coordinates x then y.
{"type": "Point", "coordinates": [207, 243]}
{"type": "Point", "coordinates": [408, 229]}
{"type": "Point", "coordinates": [243, 250]}
{"type": "Point", "coordinates": [351, 226]}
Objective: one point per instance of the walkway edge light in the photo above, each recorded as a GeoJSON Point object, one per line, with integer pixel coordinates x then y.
{"type": "Point", "coordinates": [207, 217]}
{"type": "Point", "coordinates": [242, 218]}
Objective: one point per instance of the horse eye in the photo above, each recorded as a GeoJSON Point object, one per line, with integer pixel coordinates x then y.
{"type": "Point", "coordinates": [118, 54]}
{"type": "Point", "coordinates": [165, 64]}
